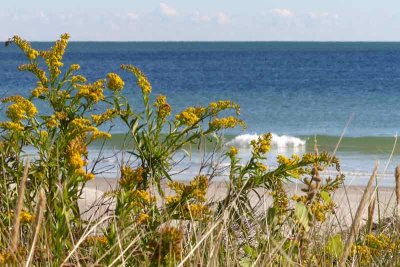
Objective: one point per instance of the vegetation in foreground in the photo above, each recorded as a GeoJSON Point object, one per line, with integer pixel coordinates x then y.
{"type": "Point", "coordinates": [40, 219]}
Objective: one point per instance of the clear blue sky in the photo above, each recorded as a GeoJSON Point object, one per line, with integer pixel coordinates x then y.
{"type": "Point", "coordinates": [208, 20]}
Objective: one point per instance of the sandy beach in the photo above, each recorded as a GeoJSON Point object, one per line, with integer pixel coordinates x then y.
{"type": "Point", "coordinates": [347, 199]}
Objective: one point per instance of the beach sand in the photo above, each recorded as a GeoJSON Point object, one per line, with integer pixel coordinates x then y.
{"type": "Point", "coordinates": [347, 200]}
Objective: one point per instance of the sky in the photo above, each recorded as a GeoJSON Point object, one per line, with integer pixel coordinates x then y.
{"type": "Point", "coordinates": [205, 20]}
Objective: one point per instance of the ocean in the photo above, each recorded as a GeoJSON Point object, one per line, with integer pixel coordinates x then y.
{"type": "Point", "coordinates": [299, 91]}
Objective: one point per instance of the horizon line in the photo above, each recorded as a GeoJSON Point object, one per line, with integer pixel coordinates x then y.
{"type": "Point", "coordinates": [222, 41]}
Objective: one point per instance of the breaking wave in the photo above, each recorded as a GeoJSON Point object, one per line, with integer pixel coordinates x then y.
{"type": "Point", "coordinates": [279, 141]}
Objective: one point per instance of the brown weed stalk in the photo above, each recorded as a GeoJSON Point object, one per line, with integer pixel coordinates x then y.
{"type": "Point", "coordinates": [18, 209]}
{"type": "Point", "coordinates": [357, 219]}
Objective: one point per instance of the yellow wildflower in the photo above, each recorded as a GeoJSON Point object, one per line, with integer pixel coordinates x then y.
{"type": "Point", "coordinates": [142, 218]}
{"type": "Point", "coordinates": [60, 115]}
{"type": "Point", "coordinates": [172, 200]}
{"type": "Point", "coordinates": [142, 81]}
{"type": "Point", "coordinates": [191, 115]}
{"type": "Point", "coordinates": [40, 90]}
{"type": "Point", "coordinates": [52, 122]}
{"type": "Point", "coordinates": [76, 161]}
{"type": "Point", "coordinates": [74, 67]}
{"type": "Point", "coordinates": [53, 57]}
{"type": "Point", "coordinates": [75, 150]}
{"type": "Point", "coordinates": [21, 109]}
{"type": "Point", "coordinates": [216, 107]}
{"type": "Point", "coordinates": [12, 126]}
{"type": "Point", "coordinates": [115, 83]}
{"type": "Point", "coordinates": [131, 176]}
{"type": "Point", "coordinates": [197, 211]}
{"type": "Point", "coordinates": [25, 47]}
{"type": "Point", "coordinates": [233, 151]}
{"type": "Point", "coordinates": [101, 118]}
{"type": "Point", "coordinates": [5, 258]}
{"type": "Point", "coordinates": [171, 242]}
{"type": "Point", "coordinates": [200, 182]}
{"type": "Point", "coordinates": [363, 252]}
{"type": "Point", "coordinates": [164, 109]}
{"type": "Point", "coordinates": [39, 73]}
{"type": "Point", "coordinates": [262, 145]}
{"type": "Point", "coordinates": [225, 123]}
{"type": "Point", "coordinates": [78, 78]}
{"type": "Point", "coordinates": [90, 176]}
{"type": "Point", "coordinates": [143, 195]}
{"type": "Point", "coordinates": [25, 217]}
{"type": "Point", "coordinates": [91, 240]}
{"type": "Point", "coordinates": [43, 134]}
{"type": "Point", "coordinates": [92, 92]}
{"type": "Point", "coordinates": [82, 124]}
{"type": "Point", "coordinates": [100, 134]}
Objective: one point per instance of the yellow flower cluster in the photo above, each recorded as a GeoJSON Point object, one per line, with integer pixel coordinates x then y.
{"type": "Point", "coordinates": [107, 115]}
{"type": "Point", "coordinates": [262, 145]}
{"type": "Point", "coordinates": [142, 81]}
{"type": "Point", "coordinates": [78, 79]}
{"type": "Point", "coordinates": [196, 190]}
{"type": "Point", "coordinates": [115, 83]}
{"type": "Point", "coordinates": [363, 252]}
{"type": "Point", "coordinates": [40, 90]}
{"type": "Point", "coordinates": [196, 211]}
{"type": "Point", "coordinates": [171, 241]}
{"type": "Point", "coordinates": [20, 109]}
{"type": "Point", "coordinates": [92, 92]}
{"type": "Point", "coordinates": [374, 246]}
{"type": "Point", "coordinates": [53, 57]}
{"type": "Point", "coordinates": [233, 151]}
{"type": "Point", "coordinates": [52, 122]}
{"type": "Point", "coordinates": [282, 160]}
{"type": "Point", "coordinates": [216, 107]}
{"type": "Point", "coordinates": [320, 210]}
{"type": "Point", "coordinates": [26, 47]}
{"type": "Point", "coordinates": [379, 242]}
{"type": "Point", "coordinates": [96, 134]}
{"type": "Point", "coordinates": [143, 196]}
{"type": "Point", "coordinates": [280, 198]}
{"type": "Point", "coordinates": [164, 109]}
{"type": "Point", "coordinates": [74, 67]}
{"type": "Point", "coordinates": [191, 115]}
{"type": "Point", "coordinates": [130, 176]}
{"type": "Point", "coordinates": [90, 176]}
{"type": "Point", "coordinates": [142, 218]}
{"type": "Point", "coordinates": [12, 126]}
{"type": "Point", "coordinates": [96, 239]}
{"type": "Point", "coordinates": [81, 124]}
{"type": "Point", "coordinates": [25, 217]}
{"type": "Point", "coordinates": [39, 73]}
{"type": "Point", "coordinates": [75, 151]}
{"type": "Point", "coordinates": [225, 123]}
{"type": "Point", "coordinates": [5, 258]}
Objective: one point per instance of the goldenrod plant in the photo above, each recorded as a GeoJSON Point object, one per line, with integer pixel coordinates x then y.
{"type": "Point", "coordinates": [153, 219]}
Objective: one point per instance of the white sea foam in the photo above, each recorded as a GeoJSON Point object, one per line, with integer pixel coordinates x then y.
{"type": "Point", "coordinates": [280, 141]}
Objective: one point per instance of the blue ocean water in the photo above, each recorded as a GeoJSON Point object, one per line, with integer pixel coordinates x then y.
{"type": "Point", "coordinates": [297, 89]}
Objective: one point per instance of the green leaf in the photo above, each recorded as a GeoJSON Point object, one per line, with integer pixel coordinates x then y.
{"type": "Point", "coordinates": [326, 197]}
{"type": "Point", "coordinates": [302, 215]}
{"type": "Point", "coordinates": [246, 262]}
{"type": "Point", "coordinates": [335, 246]}
{"type": "Point", "coordinates": [250, 251]}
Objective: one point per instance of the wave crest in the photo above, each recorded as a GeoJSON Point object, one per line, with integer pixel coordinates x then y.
{"type": "Point", "coordinates": [279, 141]}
